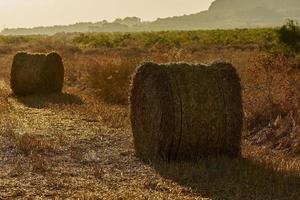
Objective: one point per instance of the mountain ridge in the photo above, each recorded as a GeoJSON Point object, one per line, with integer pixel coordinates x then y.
{"type": "Point", "coordinates": [222, 14]}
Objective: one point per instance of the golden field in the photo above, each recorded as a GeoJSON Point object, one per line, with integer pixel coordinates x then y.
{"type": "Point", "coordinates": [78, 145]}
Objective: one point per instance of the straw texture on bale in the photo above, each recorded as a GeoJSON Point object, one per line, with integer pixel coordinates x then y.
{"type": "Point", "coordinates": [37, 73]}
{"type": "Point", "coordinates": [185, 112]}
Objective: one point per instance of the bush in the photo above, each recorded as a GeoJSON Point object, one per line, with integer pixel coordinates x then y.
{"type": "Point", "coordinates": [112, 80]}
{"type": "Point", "coordinates": [289, 35]}
{"type": "Point", "coordinates": [93, 41]}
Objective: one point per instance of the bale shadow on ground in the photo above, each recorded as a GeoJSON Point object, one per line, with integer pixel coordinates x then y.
{"type": "Point", "coordinates": [224, 178]}
{"type": "Point", "coordinates": [43, 101]}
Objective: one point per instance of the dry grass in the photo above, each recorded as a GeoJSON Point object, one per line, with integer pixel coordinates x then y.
{"type": "Point", "coordinates": [58, 147]}
{"type": "Point", "coordinates": [30, 150]}
{"type": "Point", "coordinates": [248, 178]}
{"type": "Point", "coordinates": [30, 144]}
{"type": "Point", "coordinates": [111, 80]}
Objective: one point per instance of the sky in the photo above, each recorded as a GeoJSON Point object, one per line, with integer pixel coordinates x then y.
{"type": "Point", "coordinates": [31, 13]}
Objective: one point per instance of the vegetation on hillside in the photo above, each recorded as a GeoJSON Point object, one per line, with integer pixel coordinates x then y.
{"type": "Point", "coordinates": [156, 40]}
{"type": "Point", "coordinates": [276, 40]}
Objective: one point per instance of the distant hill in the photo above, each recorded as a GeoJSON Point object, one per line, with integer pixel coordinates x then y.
{"type": "Point", "coordinates": [256, 12]}
{"type": "Point", "coordinates": [235, 14]}
{"type": "Point", "coordinates": [223, 14]}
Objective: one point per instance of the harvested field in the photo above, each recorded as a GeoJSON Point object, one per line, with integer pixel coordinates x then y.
{"type": "Point", "coordinates": [79, 145]}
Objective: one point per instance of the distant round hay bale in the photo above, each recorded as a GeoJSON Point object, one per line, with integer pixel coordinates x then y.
{"type": "Point", "coordinates": [37, 73]}
{"type": "Point", "coordinates": [185, 112]}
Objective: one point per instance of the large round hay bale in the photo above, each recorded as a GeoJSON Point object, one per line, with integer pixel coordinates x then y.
{"type": "Point", "coordinates": [184, 112]}
{"type": "Point", "coordinates": [37, 73]}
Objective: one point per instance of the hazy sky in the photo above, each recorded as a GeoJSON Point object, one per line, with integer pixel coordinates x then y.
{"type": "Point", "coordinates": [28, 13]}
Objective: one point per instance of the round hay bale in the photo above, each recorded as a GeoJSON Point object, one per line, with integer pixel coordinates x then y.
{"type": "Point", "coordinates": [184, 112]}
{"type": "Point", "coordinates": [37, 73]}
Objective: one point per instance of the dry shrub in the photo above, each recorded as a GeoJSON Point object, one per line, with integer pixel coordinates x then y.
{"type": "Point", "coordinates": [296, 144]}
{"type": "Point", "coordinates": [8, 134]}
{"type": "Point", "coordinates": [36, 163]}
{"type": "Point", "coordinates": [39, 163]}
{"type": "Point", "coordinates": [37, 73]}
{"type": "Point", "coordinates": [18, 169]}
{"type": "Point", "coordinates": [34, 149]}
{"type": "Point", "coordinates": [30, 144]}
{"type": "Point", "coordinates": [76, 153]}
{"type": "Point", "coordinates": [272, 102]}
{"type": "Point", "coordinates": [112, 79]}
{"type": "Point", "coordinates": [273, 89]}
{"type": "Point", "coordinates": [183, 112]}
{"type": "Point", "coordinates": [98, 172]}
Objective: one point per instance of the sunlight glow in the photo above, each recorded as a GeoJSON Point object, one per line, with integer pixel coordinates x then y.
{"type": "Point", "coordinates": [28, 13]}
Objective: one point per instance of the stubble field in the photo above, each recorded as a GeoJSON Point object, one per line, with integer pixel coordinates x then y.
{"type": "Point", "coordinates": [79, 144]}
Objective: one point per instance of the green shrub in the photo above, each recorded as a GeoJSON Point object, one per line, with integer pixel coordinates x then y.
{"type": "Point", "coordinates": [13, 40]}
{"type": "Point", "coordinates": [93, 41]}
{"type": "Point", "coordinates": [289, 35]}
